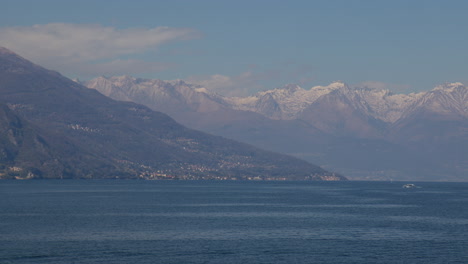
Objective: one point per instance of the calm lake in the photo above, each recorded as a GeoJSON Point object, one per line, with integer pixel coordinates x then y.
{"type": "Point", "coordinates": [125, 221]}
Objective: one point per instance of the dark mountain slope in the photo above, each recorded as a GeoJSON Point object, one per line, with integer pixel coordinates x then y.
{"type": "Point", "coordinates": [27, 151]}
{"type": "Point", "coordinates": [93, 136]}
{"type": "Point", "coordinates": [21, 148]}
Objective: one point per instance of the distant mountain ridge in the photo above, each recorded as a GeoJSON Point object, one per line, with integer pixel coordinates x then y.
{"type": "Point", "coordinates": [52, 127]}
{"type": "Point", "coordinates": [324, 122]}
{"type": "Point", "coordinates": [287, 102]}
{"type": "Point", "coordinates": [380, 104]}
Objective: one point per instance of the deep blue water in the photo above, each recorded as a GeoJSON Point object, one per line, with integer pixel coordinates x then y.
{"type": "Point", "coordinates": [118, 221]}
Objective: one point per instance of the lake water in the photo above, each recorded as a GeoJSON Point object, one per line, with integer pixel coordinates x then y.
{"type": "Point", "coordinates": [118, 221]}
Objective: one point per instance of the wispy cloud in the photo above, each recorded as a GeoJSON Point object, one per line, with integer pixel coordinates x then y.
{"type": "Point", "coordinates": [239, 85]}
{"type": "Point", "coordinates": [255, 79]}
{"type": "Point", "coordinates": [77, 45]}
{"type": "Point", "coordinates": [396, 88]}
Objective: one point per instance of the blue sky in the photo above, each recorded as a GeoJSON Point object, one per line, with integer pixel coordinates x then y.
{"type": "Point", "coordinates": [240, 47]}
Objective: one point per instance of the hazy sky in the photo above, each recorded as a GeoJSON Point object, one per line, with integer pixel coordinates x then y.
{"type": "Point", "coordinates": [239, 47]}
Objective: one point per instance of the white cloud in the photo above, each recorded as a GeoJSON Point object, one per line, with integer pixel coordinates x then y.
{"type": "Point", "coordinates": [216, 81]}
{"type": "Point", "coordinates": [59, 44]}
{"type": "Point", "coordinates": [239, 85]}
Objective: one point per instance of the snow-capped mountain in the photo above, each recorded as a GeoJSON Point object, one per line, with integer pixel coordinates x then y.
{"type": "Point", "coordinates": [288, 102]}
{"type": "Point", "coordinates": [449, 99]}
{"type": "Point", "coordinates": [282, 103]}
{"type": "Point", "coordinates": [285, 103]}
{"type": "Point", "coordinates": [359, 131]}
{"type": "Point", "coordinates": [440, 114]}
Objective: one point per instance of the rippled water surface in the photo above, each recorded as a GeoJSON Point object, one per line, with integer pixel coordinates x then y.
{"type": "Point", "coordinates": [121, 221]}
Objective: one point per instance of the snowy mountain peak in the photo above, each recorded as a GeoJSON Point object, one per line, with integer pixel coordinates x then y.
{"type": "Point", "coordinates": [282, 91]}
{"type": "Point", "coordinates": [123, 80]}
{"type": "Point", "coordinates": [449, 87]}
{"type": "Point", "coordinates": [450, 99]}
{"type": "Point", "coordinates": [292, 88]}
{"type": "Point", "coordinates": [99, 81]}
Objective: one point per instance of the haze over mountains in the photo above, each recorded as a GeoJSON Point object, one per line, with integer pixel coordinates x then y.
{"type": "Point", "coordinates": [362, 132]}
{"type": "Point", "coordinates": [52, 127]}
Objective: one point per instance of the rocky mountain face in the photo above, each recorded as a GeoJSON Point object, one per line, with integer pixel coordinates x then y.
{"type": "Point", "coordinates": [446, 107]}
{"type": "Point", "coordinates": [362, 132]}
{"type": "Point", "coordinates": [52, 127]}
{"type": "Point", "coordinates": [171, 96]}
{"type": "Point", "coordinates": [293, 100]}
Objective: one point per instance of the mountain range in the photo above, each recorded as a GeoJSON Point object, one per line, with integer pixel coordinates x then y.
{"type": "Point", "coordinates": [364, 133]}
{"type": "Point", "coordinates": [53, 127]}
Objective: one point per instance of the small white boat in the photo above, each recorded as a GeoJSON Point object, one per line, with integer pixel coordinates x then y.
{"type": "Point", "coordinates": [409, 186]}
